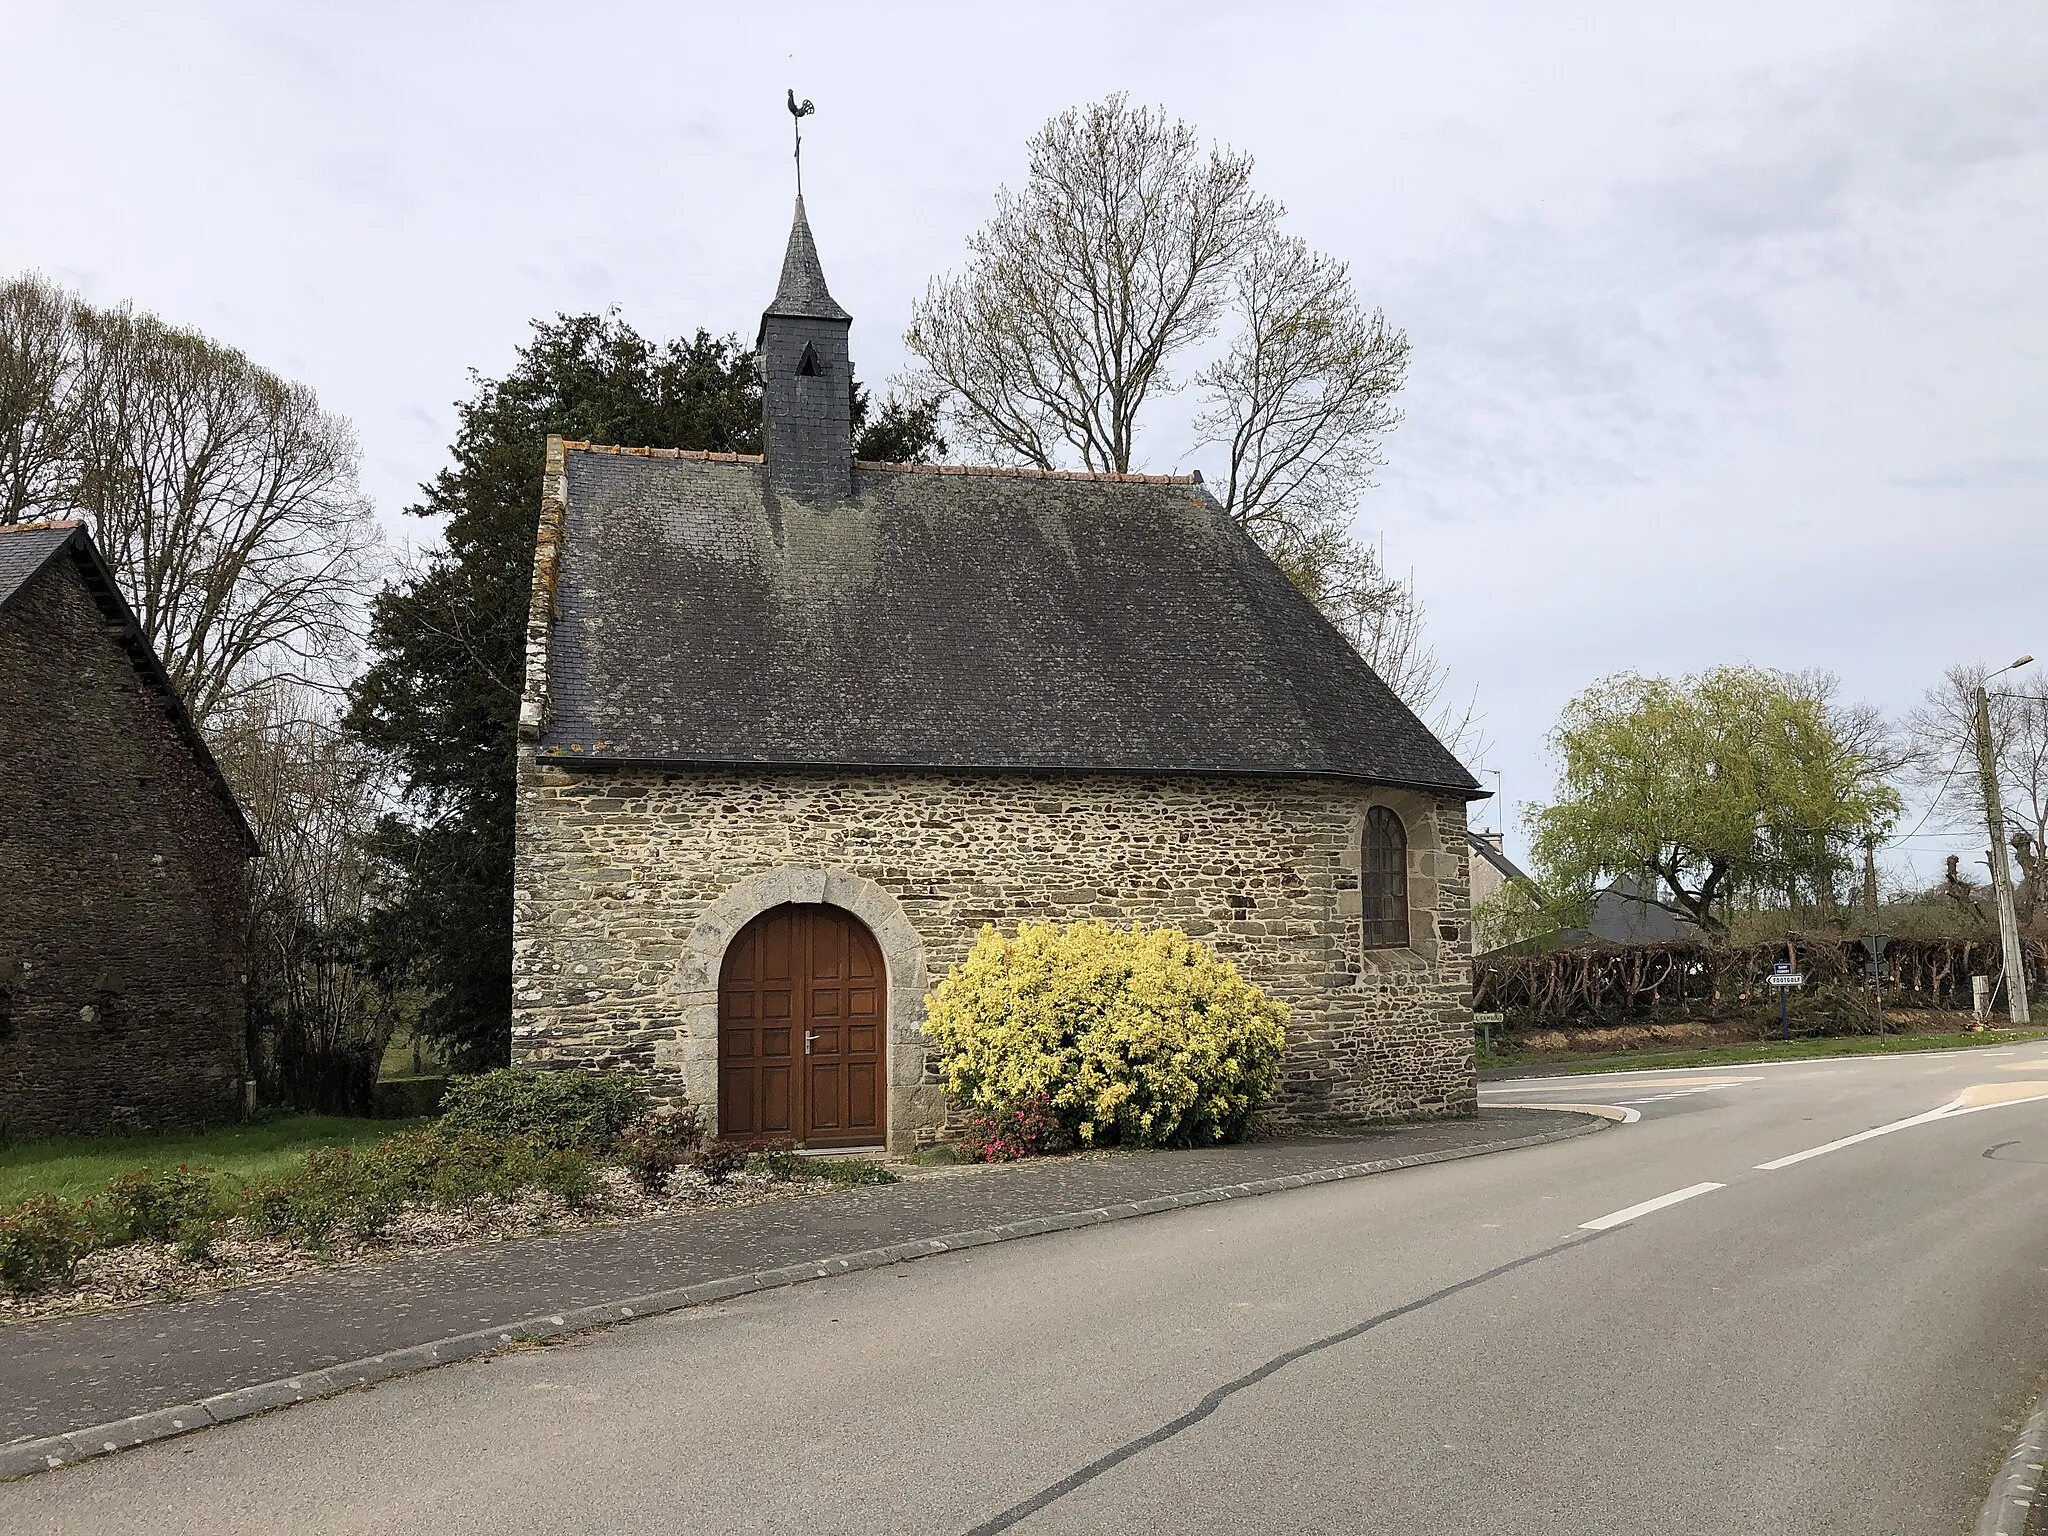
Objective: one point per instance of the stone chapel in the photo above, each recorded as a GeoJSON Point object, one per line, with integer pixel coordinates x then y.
{"type": "Point", "coordinates": [795, 728]}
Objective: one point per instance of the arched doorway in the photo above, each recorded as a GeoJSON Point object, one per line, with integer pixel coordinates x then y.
{"type": "Point", "coordinates": [801, 1009]}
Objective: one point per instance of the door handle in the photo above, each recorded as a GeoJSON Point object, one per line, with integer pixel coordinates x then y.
{"type": "Point", "coordinates": [810, 1041]}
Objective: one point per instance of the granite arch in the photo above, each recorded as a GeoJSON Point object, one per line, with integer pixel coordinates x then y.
{"type": "Point", "coordinates": [914, 1105]}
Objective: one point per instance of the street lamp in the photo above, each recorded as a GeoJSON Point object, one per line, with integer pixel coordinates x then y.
{"type": "Point", "coordinates": [2001, 870]}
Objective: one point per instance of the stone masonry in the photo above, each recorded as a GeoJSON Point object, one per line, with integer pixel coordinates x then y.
{"type": "Point", "coordinates": [631, 882]}
{"type": "Point", "coordinates": [121, 909]}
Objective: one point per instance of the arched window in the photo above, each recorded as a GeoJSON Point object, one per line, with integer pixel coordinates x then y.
{"type": "Point", "coordinates": [1383, 883]}
{"type": "Point", "coordinates": [807, 365]}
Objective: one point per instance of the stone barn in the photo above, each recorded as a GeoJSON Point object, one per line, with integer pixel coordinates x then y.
{"type": "Point", "coordinates": [796, 727]}
{"type": "Point", "coordinates": [122, 855]}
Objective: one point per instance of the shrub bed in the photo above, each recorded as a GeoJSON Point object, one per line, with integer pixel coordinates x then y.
{"type": "Point", "coordinates": [1130, 1036]}
{"type": "Point", "coordinates": [569, 1143]}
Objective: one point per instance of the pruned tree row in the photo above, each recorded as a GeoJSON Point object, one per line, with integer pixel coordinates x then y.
{"type": "Point", "coordinates": [1633, 983]}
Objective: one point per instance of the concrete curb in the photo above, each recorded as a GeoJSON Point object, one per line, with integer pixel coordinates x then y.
{"type": "Point", "coordinates": [2010, 1502]}
{"type": "Point", "coordinates": [24, 1457]}
{"type": "Point", "coordinates": [1614, 1112]}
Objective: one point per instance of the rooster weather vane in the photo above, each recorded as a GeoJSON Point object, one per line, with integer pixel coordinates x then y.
{"type": "Point", "coordinates": [797, 114]}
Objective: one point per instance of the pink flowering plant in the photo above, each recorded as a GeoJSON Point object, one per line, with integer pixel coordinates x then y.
{"type": "Point", "coordinates": [1030, 1129]}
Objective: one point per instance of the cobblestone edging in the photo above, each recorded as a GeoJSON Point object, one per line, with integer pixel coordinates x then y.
{"type": "Point", "coordinates": [52, 1451]}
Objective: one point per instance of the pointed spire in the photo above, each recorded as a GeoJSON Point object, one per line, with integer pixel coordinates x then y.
{"type": "Point", "coordinates": [802, 293]}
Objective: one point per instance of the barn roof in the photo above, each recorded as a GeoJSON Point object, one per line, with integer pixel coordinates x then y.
{"type": "Point", "coordinates": [938, 619]}
{"type": "Point", "coordinates": [26, 548]}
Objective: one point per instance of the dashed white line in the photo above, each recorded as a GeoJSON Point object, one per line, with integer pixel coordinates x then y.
{"type": "Point", "coordinates": [1616, 1218]}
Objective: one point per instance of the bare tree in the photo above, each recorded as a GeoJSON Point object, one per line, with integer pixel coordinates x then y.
{"type": "Point", "coordinates": [1128, 247]}
{"type": "Point", "coordinates": [1381, 615]}
{"type": "Point", "coordinates": [38, 401]}
{"type": "Point", "coordinates": [1079, 293]}
{"type": "Point", "coordinates": [224, 497]}
{"type": "Point", "coordinates": [320, 1016]}
{"type": "Point", "coordinates": [1304, 398]}
{"type": "Point", "coordinates": [1941, 739]}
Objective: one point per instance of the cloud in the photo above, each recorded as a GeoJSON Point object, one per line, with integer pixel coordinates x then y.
{"type": "Point", "coordinates": [1990, 474]}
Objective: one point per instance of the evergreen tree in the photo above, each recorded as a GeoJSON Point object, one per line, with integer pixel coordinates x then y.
{"type": "Point", "coordinates": [441, 696]}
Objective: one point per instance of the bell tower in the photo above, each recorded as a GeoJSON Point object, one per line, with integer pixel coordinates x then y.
{"type": "Point", "coordinates": [806, 379]}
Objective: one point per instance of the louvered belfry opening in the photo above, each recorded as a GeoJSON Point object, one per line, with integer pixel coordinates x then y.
{"type": "Point", "coordinates": [807, 379]}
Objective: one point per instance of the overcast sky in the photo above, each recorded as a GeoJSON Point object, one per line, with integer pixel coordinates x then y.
{"type": "Point", "coordinates": [1729, 321]}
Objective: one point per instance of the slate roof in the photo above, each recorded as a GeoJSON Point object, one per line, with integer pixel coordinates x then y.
{"type": "Point", "coordinates": [26, 548]}
{"type": "Point", "coordinates": [939, 619]}
{"type": "Point", "coordinates": [802, 292]}
{"type": "Point", "coordinates": [1482, 845]}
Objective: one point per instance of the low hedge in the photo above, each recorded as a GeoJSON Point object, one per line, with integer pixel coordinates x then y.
{"type": "Point", "coordinates": [407, 1098]}
{"type": "Point", "coordinates": [565, 1109]}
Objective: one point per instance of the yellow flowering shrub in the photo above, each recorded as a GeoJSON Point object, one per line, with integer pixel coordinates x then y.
{"type": "Point", "coordinates": [1137, 1036]}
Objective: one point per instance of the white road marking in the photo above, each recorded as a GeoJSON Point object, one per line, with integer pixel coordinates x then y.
{"type": "Point", "coordinates": [1957, 1106]}
{"type": "Point", "coordinates": [1615, 1112]}
{"type": "Point", "coordinates": [1616, 1218]}
{"type": "Point", "coordinates": [1676, 1093]}
{"type": "Point", "coordinates": [1619, 1079]}
{"type": "Point", "coordinates": [1818, 1066]}
{"type": "Point", "coordinates": [1850, 1141]}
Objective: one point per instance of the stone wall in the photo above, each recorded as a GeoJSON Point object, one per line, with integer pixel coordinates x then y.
{"type": "Point", "coordinates": [630, 883]}
{"type": "Point", "coordinates": [121, 904]}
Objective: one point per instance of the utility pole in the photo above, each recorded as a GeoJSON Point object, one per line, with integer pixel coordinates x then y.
{"type": "Point", "coordinates": [2001, 867]}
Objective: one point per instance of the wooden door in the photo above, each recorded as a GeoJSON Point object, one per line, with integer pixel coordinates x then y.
{"type": "Point", "coordinates": [801, 1007]}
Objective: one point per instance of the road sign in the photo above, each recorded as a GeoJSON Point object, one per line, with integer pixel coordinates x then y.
{"type": "Point", "coordinates": [1785, 978]}
{"type": "Point", "coordinates": [1782, 968]}
{"type": "Point", "coordinates": [1489, 1018]}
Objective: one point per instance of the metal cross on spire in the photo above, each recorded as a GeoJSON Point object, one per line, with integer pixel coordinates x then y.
{"type": "Point", "coordinates": [797, 114]}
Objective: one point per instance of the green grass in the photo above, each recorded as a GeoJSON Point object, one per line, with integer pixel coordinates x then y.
{"type": "Point", "coordinates": [1763, 1050]}
{"type": "Point", "coordinates": [79, 1166]}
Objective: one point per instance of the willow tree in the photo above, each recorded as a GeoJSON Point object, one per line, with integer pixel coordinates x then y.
{"type": "Point", "coordinates": [1737, 782]}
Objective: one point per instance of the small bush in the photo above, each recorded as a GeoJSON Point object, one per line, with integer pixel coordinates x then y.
{"type": "Point", "coordinates": [449, 1168]}
{"type": "Point", "coordinates": [332, 1190]}
{"type": "Point", "coordinates": [41, 1241]}
{"type": "Point", "coordinates": [196, 1238]}
{"type": "Point", "coordinates": [780, 1162]}
{"type": "Point", "coordinates": [652, 1149]}
{"type": "Point", "coordinates": [1030, 1129]}
{"type": "Point", "coordinates": [720, 1162]}
{"type": "Point", "coordinates": [153, 1204]}
{"type": "Point", "coordinates": [565, 1109]}
{"type": "Point", "coordinates": [1136, 1036]}
{"type": "Point", "coordinates": [567, 1174]}
{"type": "Point", "coordinates": [850, 1170]}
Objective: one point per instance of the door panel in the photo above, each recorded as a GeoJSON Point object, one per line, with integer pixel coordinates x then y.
{"type": "Point", "coordinates": [757, 1003]}
{"type": "Point", "coordinates": [802, 981]}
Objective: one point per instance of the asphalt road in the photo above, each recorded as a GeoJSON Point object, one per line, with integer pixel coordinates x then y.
{"type": "Point", "coordinates": [1840, 1343]}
